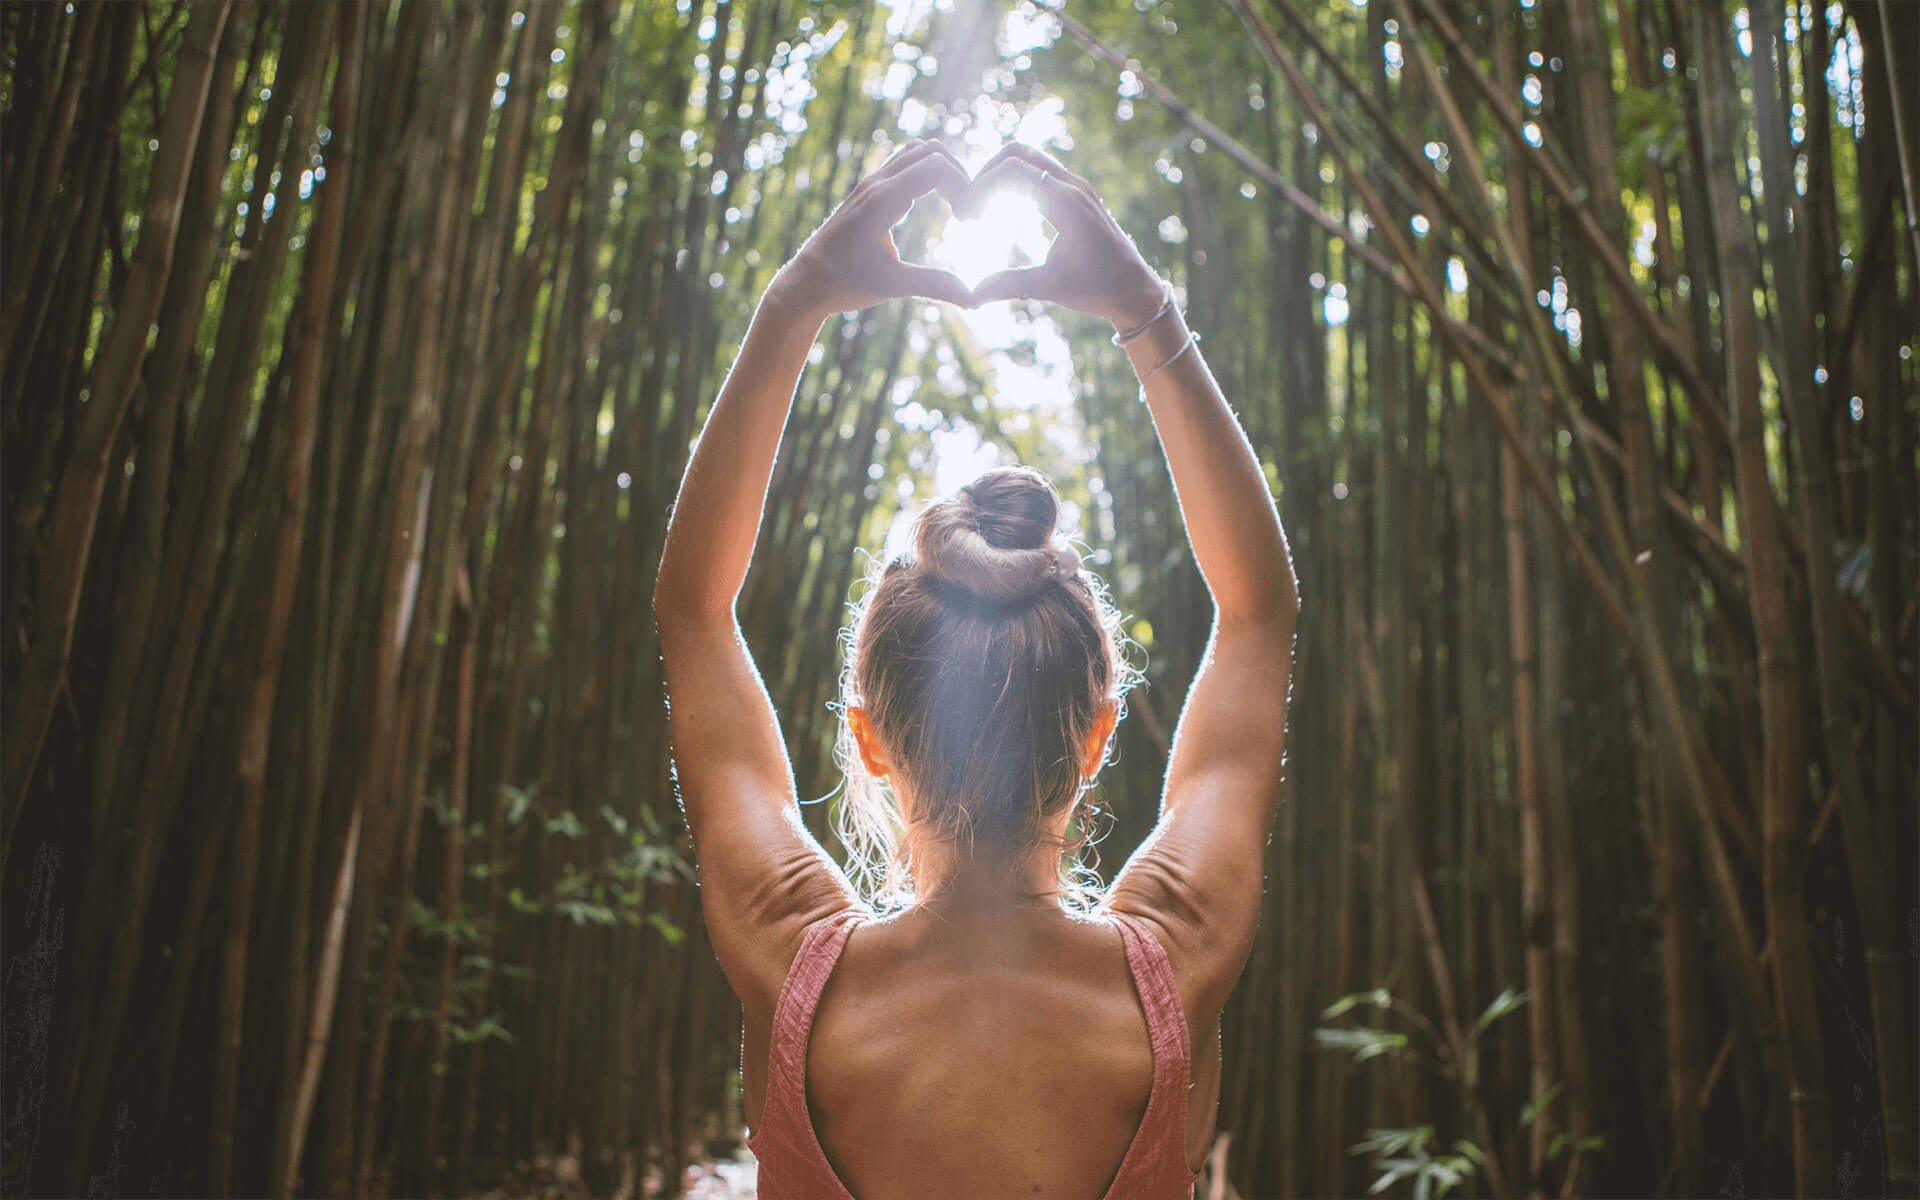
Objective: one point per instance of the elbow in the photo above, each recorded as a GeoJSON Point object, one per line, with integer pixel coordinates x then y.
{"type": "Point", "coordinates": [1266, 595]}
{"type": "Point", "coordinates": [1277, 609]}
{"type": "Point", "coordinates": [674, 608]}
{"type": "Point", "coordinates": [687, 589]}
{"type": "Point", "coordinates": [678, 600]}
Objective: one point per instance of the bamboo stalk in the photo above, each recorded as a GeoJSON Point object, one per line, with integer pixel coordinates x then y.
{"type": "Point", "coordinates": [76, 503]}
{"type": "Point", "coordinates": [316, 306]}
{"type": "Point", "coordinates": [1782, 778]}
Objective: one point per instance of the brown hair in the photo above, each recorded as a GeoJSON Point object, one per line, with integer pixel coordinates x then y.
{"type": "Point", "coordinates": [983, 657]}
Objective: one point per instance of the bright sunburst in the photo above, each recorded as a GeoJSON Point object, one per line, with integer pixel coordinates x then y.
{"type": "Point", "coordinates": [1028, 364]}
{"type": "Point", "coordinates": [1009, 232]}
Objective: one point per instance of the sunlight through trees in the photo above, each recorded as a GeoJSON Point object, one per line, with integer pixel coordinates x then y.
{"type": "Point", "coordinates": [350, 354]}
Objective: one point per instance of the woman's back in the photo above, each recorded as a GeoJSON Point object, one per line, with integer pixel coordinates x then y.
{"type": "Point", "coordinates": [1005, 1059]}
{"type": "Point", "coordinates": [981, 1045]}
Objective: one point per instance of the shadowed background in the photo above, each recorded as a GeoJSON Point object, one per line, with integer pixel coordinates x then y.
{"type": "Point", "coordinates": [351, 355]}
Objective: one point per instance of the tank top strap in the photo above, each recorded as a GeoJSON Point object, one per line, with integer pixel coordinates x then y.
{"type": "Point", "coordinates": [793, 1013]}
{"type": "Point", "coordinates": [1166, 1016]}
{"type": "Point", "coordinates": [1156, 1164]}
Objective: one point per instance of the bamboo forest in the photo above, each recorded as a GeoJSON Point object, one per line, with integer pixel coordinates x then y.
{"type": "Point", "coordinates": [351, 354]}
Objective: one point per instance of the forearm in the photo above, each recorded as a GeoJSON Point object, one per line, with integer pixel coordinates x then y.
{"type": "Point", "coordinates": [1223, 493]}
{"type": "Point", "coordinates": [716, 515]}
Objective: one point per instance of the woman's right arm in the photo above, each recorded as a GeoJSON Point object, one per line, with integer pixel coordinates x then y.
{"type": "Point", "coordinates": [1200, 872]}
{"type": "Point", "coordinates": [1198, 876]}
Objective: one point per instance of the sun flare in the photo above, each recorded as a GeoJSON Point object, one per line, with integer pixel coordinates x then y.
{"type": "Point", "coordinates": [1008, 232]}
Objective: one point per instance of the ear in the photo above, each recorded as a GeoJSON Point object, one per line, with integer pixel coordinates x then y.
{"type": "Point", "coordinates": [1096, 747]}
{"type": "Point", "coordinates": [868, 739]}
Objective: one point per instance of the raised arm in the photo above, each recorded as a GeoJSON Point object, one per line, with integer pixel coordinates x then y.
{"type": "Point", "coordinates": [763, 877]}
{"type": "Point", "coordinates": [1198, 876]}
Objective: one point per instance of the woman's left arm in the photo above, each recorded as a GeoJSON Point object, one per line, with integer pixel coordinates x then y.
{"type": "Point", "coordinates": [763, 876]}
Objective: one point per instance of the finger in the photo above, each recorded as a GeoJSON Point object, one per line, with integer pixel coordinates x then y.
{"type": "Point", "coordinates": [1054, 196]}
{"type": "Point", "coordinates": [1054, 169]}
{"type": "Point", "coordinates": [890, 198]}
{"type": "Point", "coordinates": [1015, 283]}
{"type": "Point", "coordinates": [1006, 151]}
{"type": "Point", "coordinates": [941, 148]}
{"type": "Point", "coordinates": [946, 152]}
{"type": "Point", "coordinates": [1041, 162]}
{"type": "Point", "coordinates": [896, 162]}
{"type": "Point", "coordinates": [909, 153]}
{"type": "Point", "coordinates": [1009, 172]}
{"type": "Point", "coordinates": [958, 186]}
{"type": "Point", "coordinates": [934, 284]}
{"type": "Point", "coordinates": [1051, 165]}
{"type": "Point", "coordinates": [976, 196]}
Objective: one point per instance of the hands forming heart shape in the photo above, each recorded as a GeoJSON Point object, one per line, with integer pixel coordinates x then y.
{"type": "Point", "coordinates": [850, 262]}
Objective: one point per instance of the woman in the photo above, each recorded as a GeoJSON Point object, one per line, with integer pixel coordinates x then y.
{"type": "Point", "coordinates": [990, 1037]}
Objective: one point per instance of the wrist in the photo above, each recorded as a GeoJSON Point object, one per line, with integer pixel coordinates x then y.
{"type": "Point", "coordinates": [1158, 343]}
{"type": "Point", "coordinates": [792, 297]}
{"type": "Point", "coordinates": [1139, 304]}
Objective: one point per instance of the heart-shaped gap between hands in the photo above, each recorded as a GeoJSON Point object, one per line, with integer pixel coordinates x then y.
{"type": "Point", "coordinates": [1004, 230]}
{"type": "Point", "coordinates": [1092, 266]}
{"type": "Point", "coordinates": [992, 224]}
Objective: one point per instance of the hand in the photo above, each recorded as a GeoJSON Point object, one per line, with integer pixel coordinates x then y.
{"type": "Point", "coordinates": [1093, 267]}
{"type": "Point", "coordinates": [850, 261]}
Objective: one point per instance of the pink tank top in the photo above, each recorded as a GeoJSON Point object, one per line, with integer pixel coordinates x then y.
{"type": "Point", "coordinates": [794, 1167]}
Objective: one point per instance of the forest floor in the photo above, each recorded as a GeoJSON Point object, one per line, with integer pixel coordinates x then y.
{"type": "Point", "coordinates": [722, 1180]}
{"type": "Point", "coordinates": [560, 1178]}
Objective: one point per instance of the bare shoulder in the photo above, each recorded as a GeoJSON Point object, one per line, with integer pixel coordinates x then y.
{"type": "Point", "coordinates": [757, 953]}
{"type": "Point", "coordinates": [1207, 941]}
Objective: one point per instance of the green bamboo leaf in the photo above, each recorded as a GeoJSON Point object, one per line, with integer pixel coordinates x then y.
{"type": "Point", "coordinates": [1363, 1043]}
{"type": "Point", "coordinates": [1503, 1004]}
{"type": "Point", "coordinates": [1534, 1106]}
{"type": "Point", "coordinates": [1377, 997]}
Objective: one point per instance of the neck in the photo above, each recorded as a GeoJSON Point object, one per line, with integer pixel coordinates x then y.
{"type": "Point", "coordinates": [952, 883]}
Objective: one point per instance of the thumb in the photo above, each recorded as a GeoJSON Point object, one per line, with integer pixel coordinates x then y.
{"type": "Point", "coordinates": [934, 284]}
{"type": "Point", "coordinates": [1014, 283]}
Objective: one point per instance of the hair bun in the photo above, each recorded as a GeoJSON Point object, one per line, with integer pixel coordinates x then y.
{"type": "Point", "coordinates": [994, 538]}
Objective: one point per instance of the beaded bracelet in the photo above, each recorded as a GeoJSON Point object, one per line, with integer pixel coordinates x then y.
{"type": "Point", "coordinates": [1193, 339]}
{"type": "Point", "coordinates": [1122, 338]}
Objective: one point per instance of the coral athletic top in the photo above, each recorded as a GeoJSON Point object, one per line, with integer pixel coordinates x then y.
{"type": "Point", "coordinates": [794, 1167]}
